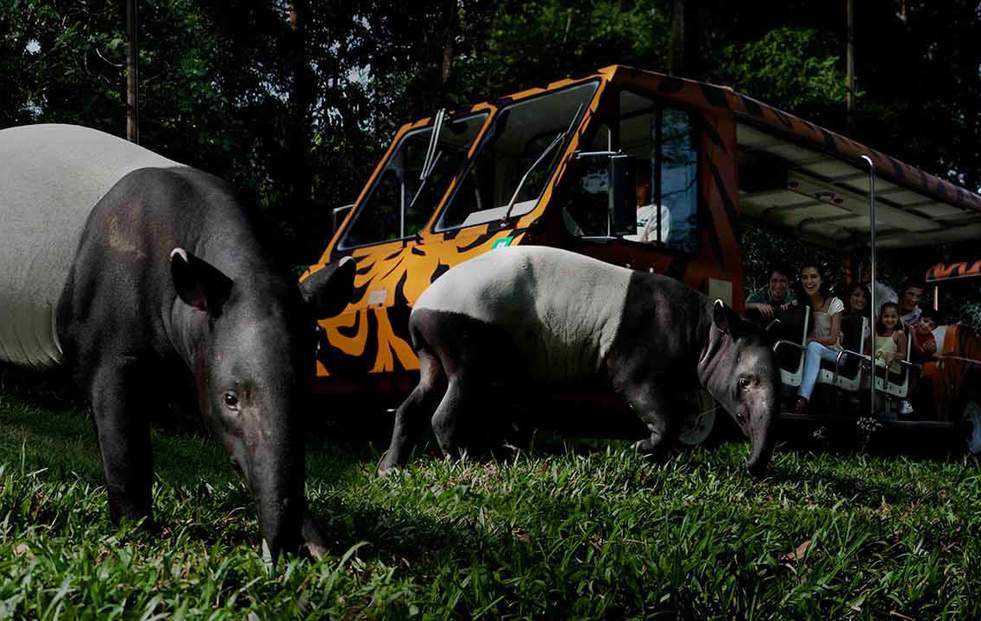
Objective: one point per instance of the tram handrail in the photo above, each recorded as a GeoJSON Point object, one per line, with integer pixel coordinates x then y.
{"type": "Point", "coordinates": [865, 358]}
{"type": "Point", "coordinates": [959, 359]}
{"type": "Point", "coordinates": [786, 342]}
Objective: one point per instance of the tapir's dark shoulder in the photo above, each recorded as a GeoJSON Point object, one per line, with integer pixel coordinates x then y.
{"type": "Point", "coordinates": [177, 188]}
{"type": "Point", "coordinates": [667, 311]}
{"type": "Point", "coordinates": [650, 290]}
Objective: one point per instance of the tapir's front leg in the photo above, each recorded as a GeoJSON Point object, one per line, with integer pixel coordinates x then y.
{"type": "Point", "coordinates": [124, 439]}
{"type": "Point", "coordinates": [654, 407]}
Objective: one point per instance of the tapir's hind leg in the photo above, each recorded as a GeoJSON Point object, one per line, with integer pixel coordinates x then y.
{"type": "Point", "coordinates": [124, 439]}
{"type": "Point", "coordinates": [411, 416]}
{"type": "Point", "coordinates": [458, 416]}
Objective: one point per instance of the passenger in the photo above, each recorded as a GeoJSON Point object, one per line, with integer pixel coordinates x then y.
{"type": "Point", "coordinates": [909, 302]}
{"type": "Point", "coordinates": [957, 344]}
{"type": "Point", "coordinates": [924, 344]}
{"type": "Point", "coordinates": [856, 299]}
{"type": "Point", "coordinates": [890, 339]}
{"type": "Point", "coordinates": [883, 292]}
{"type": "Point", "coordinates": [890, 345]}
{"type": "Point", "coordinates": [647, 211]}
{"type": "Point", "coordinates": [924, 341]}
{"type": "Point", "coordinates": [823, 344]}
{"type": "Point", "coordinates": [775, 296]}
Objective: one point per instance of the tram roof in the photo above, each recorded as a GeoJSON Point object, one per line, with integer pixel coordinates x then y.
{"type": "Point", "coordinates": [799, 176]}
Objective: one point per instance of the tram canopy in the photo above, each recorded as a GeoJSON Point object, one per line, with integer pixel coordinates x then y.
{"type": "Point", "coordinates": [807, 179]}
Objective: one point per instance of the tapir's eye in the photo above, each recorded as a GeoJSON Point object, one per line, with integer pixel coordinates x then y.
{"type": "Point", "coordinates": [231, 400]}
{"type": "Point", "coordinates": [745, 381]}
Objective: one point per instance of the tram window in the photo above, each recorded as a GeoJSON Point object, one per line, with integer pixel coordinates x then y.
{"type": "Point", "coordinates": [666, 171]}
{"type": "Point", "coordinates": [400, 204]}
{"type": "Point", "coordinates": [663, 170]}
{"type": "Point", "coordinates": [679, 179]}
{"type": "Point", "coordinates": [525, 143]}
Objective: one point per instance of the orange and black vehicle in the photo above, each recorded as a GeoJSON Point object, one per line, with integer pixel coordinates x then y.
{"type": "Point", "coordinates": [627, 166]}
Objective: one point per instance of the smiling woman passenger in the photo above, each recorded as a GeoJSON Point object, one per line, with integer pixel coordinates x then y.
{"type": "Point", "coordinates": [823, 343]}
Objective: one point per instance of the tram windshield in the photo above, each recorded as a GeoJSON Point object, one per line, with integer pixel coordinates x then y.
{"type": "Point", "coordinates": [513, 165]}
{"type": "Point", "coordinates": [402, 199]}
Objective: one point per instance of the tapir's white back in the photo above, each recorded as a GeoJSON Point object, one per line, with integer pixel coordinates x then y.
{"type": "Point", "coordinates": [573, 303]}
{"type": "Point", "coordinates": [51, 176]}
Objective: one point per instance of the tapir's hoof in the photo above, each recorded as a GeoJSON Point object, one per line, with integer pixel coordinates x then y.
{"type": "Point", "coordinates": [313, 550]}
{"type": "Point", "coordinates": [314, 544]}
{"type": "Point", "coordinates": [656, 452]}
{"type": "Point", "coordinates": [387, 470]}
{"type": "Point", "coordinates": [386, 466]}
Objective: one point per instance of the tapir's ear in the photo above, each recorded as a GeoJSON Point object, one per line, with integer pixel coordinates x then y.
{"type": "Point", "coordinates": [329, 289]}
{"type": "Point", "coordinates": [198, 283]}
{"type": "Point", "coordinates": [724, 318]}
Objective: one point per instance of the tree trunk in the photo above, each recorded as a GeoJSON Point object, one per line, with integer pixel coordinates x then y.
{"type": "Point", "coordinates": [132, 75]}
{"type": "Point", "coordinates": [684, 39]}
{"type": "Point", "coordinates": [302, 96]}
{"type": "Point", "coordinates": [449, 37]}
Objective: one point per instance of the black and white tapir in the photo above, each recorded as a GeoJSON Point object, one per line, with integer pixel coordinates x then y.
{"type": "Point", "coordinates": [527, 318]}
{"type": "Point", "coordinates": [145, 276]}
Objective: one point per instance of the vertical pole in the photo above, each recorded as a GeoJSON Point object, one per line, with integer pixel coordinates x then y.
{"type": "Point", "coordinates": [872, 305]}
{"type": "Point", "coordinates": [679, 36]}
{"type": "Point", "coordinates": [132, 75]}
{"type": "Point", "coordinates": [850, 65]}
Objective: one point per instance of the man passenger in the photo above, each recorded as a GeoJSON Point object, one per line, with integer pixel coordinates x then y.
{"type": "Point", "coordinates": [910, 297]}
{"type": "Point", "coordinates": [649, 229]}
{"type": "Point", "coordinates": [883, 292]}
{"type": "Point", "coordinates": [777, 295]}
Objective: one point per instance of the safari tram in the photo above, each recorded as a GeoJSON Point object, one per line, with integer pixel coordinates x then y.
{"type": "Point", "coordinates": [655, 173]}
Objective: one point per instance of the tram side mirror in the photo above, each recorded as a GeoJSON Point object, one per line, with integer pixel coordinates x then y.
{"type": "Point", "coordinates": [623, 207]}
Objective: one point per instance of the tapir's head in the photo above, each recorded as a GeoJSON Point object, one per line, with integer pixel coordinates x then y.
{"type": "Point", "coordinates": [737, 368]}
{"type": "Point", "coordinates": [253, 368]}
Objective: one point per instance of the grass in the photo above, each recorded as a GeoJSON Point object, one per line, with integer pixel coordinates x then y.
{"type": "Point", "coordinates": [594, 534]}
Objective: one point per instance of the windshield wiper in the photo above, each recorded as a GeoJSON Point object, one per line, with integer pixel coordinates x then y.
{"type": "Point", "coordinates": [555, 141]}
{"type": "Point", "coordinates": [424, 180]}
{"type": "Point", "coordinates": [558, 138]}
{"type": "Point", "coordinates": [430, 161]}
{"type": "Point", "coordinates": [432, 156]}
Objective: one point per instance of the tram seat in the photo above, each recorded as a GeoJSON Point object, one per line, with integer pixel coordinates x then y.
{"type": "Point", "coordinates": [790, 336]}
{"type": "Point", "coordinates": [849, 372]}
{"type": "Point", "coordinates": [893, 383]}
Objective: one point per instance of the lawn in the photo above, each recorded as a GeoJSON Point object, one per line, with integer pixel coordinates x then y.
{"type": "Point", "coordinates": [568, 534]}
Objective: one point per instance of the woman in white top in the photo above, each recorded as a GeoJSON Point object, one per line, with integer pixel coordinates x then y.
{"type": "Point", "coordinates": [824, 342]}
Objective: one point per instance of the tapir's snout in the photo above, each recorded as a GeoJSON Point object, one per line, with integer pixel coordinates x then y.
{"type": "Point", "coordinates": [281, 520]}
{"type": "Point", "coordinates": [272, 465]}
{"type": "Point", "coordinates": [279, 494]}
{"type": "Point", "coordinates": [762, 417]}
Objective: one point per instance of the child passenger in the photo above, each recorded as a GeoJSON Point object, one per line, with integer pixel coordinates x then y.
{"type": "Point", "coordinates": [890, 345]}
{"type": "Point", "coordinates": [823, 344]}
{"type": "Point", "coordinates": [890, 340]}
{"type": "Point", "coordinates": [924, 342]}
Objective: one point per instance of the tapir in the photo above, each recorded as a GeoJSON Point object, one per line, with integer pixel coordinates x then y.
{"type": "Point", "coordinates": [527, 318]}
{"type": "Point", "coordinates": [147, 278]}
